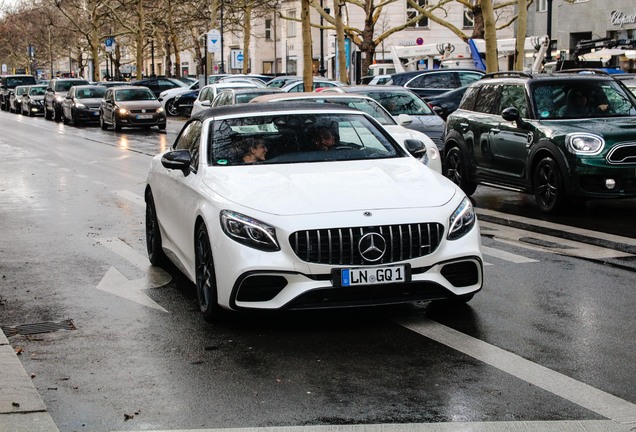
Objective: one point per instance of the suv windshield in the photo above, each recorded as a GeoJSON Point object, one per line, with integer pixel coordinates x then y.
{"type": "Point", "coordinates": [581, 99]}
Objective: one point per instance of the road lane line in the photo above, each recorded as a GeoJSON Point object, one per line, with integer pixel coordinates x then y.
{"type": "Point", "coordinates": [595, 400]}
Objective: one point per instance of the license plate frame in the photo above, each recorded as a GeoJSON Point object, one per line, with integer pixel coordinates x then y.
{"type": "Point", "coordinates": [368, 276]}
{"type": "Point", "coordinates": [144, 116]}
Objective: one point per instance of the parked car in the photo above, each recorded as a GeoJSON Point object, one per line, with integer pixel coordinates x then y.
{"type": "Point", "coordinates": [430, 157]}
{"type": "Point", "coordinates": [408, 109]}
{"type": "Point", "coordinates": [8, 83]}
{"type": "Point", "coordinates": [167, 97]}
{"type": "Point", "coordinates": [281, 81]}
{"type": "Point", "coordinates": [243, 79]}
{"type": "Point", "coordinates": [110, 83]}
{"type": "Point", "coordinates": [131, 106]}
{"type": "Point", "coordinates": [278, 234]}
{"type": "Point", "coordinates": [209, 92]}
{"type": "Point", "coordinates": [318, 83]}
{"type": "Point", "coordinates": [432, 82]}
{"type": "Point", "coordinates": [159, 84]}
{"type": "Point", "coordinates": [241, 95]}
{"type": "Point", "coordinates": [445, 103]}
{"type": "Point", "coordinates": [33, 100]}
{"type": "Point", "coordinates": [15, 98]}
{"type": "Point", "coordinates": [55, 94]}
{"type": "Point", "coordinates": [560, 137]}
{"type": "Point", "coordinates": [81, 104]}
{"type": "Point", "coordinates": [183, 102]}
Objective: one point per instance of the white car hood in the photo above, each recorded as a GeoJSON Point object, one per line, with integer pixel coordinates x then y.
{"type": "Point", "coordinates": [307, 188]}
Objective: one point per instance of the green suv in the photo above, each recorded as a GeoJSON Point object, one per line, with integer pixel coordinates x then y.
{"type": "Point", "coordinates": [561, 137]}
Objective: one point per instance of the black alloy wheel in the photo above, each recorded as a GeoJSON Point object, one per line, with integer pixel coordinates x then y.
{"type": "Point", "coordinates": [156, 255]}
{"type": "Point", "coordinates": [456, 170]}
{"type": "Point", "coordinates": [205, 276]}
{"type": "Point", "coordinates": [171, 109]}
{"type": "Point", "coordinates": [549, 191]}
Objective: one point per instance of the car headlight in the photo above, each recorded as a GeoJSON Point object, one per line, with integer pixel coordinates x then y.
{"type": "Point", "coordinates": [80, 106]}
{"type": "Point", "coordinates": [160, 110]}
{"type": "Point", "coordinates": [59, 98]}
{"type": "Point", "coordinates": [122, 111]}
{"type": "Point", "coordinates": [18, 100]}
{"type": "Point", "coordinates": [583, 143]}
{"type": "Point", "coordinates": [462, 220]}
{"type": "Point", "coordinates": [248, 231]}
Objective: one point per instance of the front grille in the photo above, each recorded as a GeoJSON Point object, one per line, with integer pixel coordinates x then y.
{"type": "Point", "coordinates": [622, 154]}
{"type": "Point", "coordinates": [340, 246]}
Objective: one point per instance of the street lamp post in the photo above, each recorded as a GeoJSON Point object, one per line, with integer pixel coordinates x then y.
{"type": "Point", "coordinates": [548, 55]}
{"type": "Point", "coordinates": [222, 67]}
{"type": "Point", "coordinates": [152, 57]}
{"type": "Point", "coordinates": [322, 69]}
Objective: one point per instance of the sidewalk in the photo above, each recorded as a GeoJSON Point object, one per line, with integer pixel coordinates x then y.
{"type": "Point", "coordinates": [21, 407]}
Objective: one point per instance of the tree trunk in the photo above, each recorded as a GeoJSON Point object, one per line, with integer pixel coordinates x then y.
{"type": "Point", "coordinates": [342, 55]}
{"type": "Point", "coordinates": [490, 36]}
{"type": "Point", "coordinates": [140, 39]}
{"type": "Point", "coordinates": [246, 38]}
{"type": "Point", "coordinates": [522, 25]}
{"type": "Point", "coordinates": [308, 79]}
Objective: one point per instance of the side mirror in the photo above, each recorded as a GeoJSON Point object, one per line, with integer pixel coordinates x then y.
{"type": "Point", "coordinates": [205, 103]}
{"type": "Point", "coordinates": [177, 160]}
{"type": "Point", "coordinates": [404, 119]}
{"type": "Point", "coordinates": [415, 147]}
{"type": "Point", "coordinates": [512, 114]}
{"type": "Point", "coordinates": [440, 111]}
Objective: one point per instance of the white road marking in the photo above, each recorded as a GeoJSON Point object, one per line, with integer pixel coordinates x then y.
{"type": "Point", "coordinates": [116, 283]}
{"type": "Point", "coordinates": [595, 400]}
{"type": "Point", "coordinates": [508, 256]}
{"type": "Point", "coordinates": [504, 426]}
{"type": "Point", "coordinates": [137, 199]}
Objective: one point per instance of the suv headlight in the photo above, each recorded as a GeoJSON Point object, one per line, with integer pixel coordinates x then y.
{"type": "Point", "coordinates": [248, 231]}
{"type": "Point", "coordinates": [461, 220]}
{"type": "Point", "coordinates": [583, 143]}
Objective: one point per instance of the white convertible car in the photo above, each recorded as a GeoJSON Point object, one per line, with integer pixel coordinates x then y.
{"type": "Point", "coordinates": [364, 223]}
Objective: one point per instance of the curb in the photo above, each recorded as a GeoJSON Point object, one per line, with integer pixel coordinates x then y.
{"type": "Point", "coordinates": [21, 406]}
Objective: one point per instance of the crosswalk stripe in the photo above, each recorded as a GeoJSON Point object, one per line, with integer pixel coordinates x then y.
{"type": "Point", "coordinates": [508, 256]}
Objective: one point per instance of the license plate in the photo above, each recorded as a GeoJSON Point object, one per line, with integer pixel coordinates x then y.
{"type": "Point", "coordinates": [144, 116]}
{"type": "Point", "coordinates": [95, 113]}
{"type": "Point", "coordinates": [373, 275]}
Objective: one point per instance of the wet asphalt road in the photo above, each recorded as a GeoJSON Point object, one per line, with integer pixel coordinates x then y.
{"type": "Point", "coordinates": [70, 200]}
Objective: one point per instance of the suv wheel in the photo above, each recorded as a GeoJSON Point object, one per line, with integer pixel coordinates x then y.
{"type": "Point", "coordinates": [548, 186]}
{"type": "Point", "coordinates": [171, 109]}
{"type": "Point", "coordinates": [456, 170]}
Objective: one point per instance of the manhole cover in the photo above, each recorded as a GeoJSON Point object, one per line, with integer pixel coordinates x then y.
{"type": "Point", "coordinates": [43, 327]}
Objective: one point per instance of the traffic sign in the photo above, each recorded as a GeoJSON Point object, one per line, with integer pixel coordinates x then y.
{"type": "Point", "coordinates": [214, 41]}
{"type": "Point", "coordinates": [110, 44]}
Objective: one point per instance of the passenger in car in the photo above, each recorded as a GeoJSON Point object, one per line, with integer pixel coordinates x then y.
{"type": "Point", "coordinates": [254, 150]}
{"type": "Point", "coordinates": [323, 138]}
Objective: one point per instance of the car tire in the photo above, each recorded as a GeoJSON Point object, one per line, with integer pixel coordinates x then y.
{"type": "Point", "coordinates": [156, 255]}
{"type": "Point", "coordinates": [455, 170]}
{"type": "Point", "coordinates": [171, 109]}
{"type": "Point", "coordinates": [116, 125]}
{"type": "Point", "coordinates": [549, 190]}
{"type": "Point", "coordinates": [102, 123]}
{"type": "Point", "coordinates": [162, 127]}
{"type": "Point", "coordinates": [205, 276]}
{"type": "Point", "coordinates": [64, 119]}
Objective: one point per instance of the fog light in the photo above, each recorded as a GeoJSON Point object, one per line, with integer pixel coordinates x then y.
{"type": "Point", "coordinates": [610, 184]}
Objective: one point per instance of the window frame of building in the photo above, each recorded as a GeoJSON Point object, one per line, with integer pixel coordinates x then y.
{"type": "Point", "coordinates": [268, 29]}
{"type": "Point", "coordinates": [542, 5]}
{"type": "Point", "coordinates": [291, 24]}
{"type": "Point", "coordinates": [411, 13]}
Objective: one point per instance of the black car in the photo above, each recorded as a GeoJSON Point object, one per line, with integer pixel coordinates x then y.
{"type": "Point", "coordinates": [10, 82]}
{"type": "Point", "coordinates": [183, 102]}
{"type": "Point", "coordinates": [33, 100]}
{"type": "Point", "coordinates": [445, 103]}
{"type": "Point", "coordinates": [81, 104]}
{"type": "Point", "coordinates": [561, 137]}
{"type": "Point", "coordinates": [55, 94]}
{"type": "Point", "coordinates": [432, 82]}
{"type": "Point", "coordinates": [159, 84]}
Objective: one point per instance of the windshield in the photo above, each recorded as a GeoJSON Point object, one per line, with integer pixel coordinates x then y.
{"type": "Point", "coordinates": [296, 138]}
{"type": "Point", "coordinates": [91, 93]}
{"type": "Point", "coordinates": [401, 103]}
{"type": "Point", "coordinates": [134, 95]}
{"type": "Point", "coordinates": [582, 99]}
{"type": "Point", "coordinates": [37, 91]}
